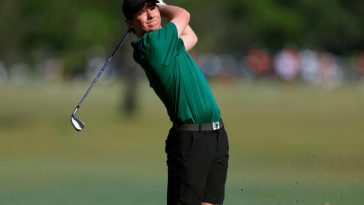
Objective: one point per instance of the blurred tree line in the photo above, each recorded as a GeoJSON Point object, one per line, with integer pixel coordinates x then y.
{"type": "Point", "coordinates": [36, 29]}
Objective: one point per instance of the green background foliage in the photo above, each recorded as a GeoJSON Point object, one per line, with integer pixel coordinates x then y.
{"type": "Point", "coordinates": [31, 30]}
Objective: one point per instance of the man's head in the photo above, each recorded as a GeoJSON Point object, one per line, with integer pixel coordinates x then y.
{"type": "Point", "coordinates": [142, 15]}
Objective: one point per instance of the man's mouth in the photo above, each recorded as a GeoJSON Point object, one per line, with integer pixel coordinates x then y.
{"type": "Point", "coordinates": [152, 21]}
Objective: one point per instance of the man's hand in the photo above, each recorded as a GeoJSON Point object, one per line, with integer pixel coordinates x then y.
{"type": "Point", "coordinates": [160, 2]}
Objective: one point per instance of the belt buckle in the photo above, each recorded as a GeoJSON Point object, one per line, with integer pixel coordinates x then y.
{"type": "Point", "coordinates": [216, 125]}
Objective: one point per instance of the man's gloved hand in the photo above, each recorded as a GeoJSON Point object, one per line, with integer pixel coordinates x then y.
{"type": "Point", "coordinates": [161, 2]}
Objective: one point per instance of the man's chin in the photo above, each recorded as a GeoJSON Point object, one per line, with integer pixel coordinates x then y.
{"type": "Point", "coordinates": [157, 25]}
{"type": "Point", "coordinates": [153, 28]}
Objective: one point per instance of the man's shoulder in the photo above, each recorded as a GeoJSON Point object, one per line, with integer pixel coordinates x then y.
{"type": "Point", "coordinates": [158, 46]}
{"type": "Point", "coordinates": [168, 29]}
{"type": "Point", "coordinates": [157, 38]}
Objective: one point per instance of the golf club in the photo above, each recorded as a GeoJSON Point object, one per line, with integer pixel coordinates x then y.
{"type": "Point", "coordinates": [78, 124]}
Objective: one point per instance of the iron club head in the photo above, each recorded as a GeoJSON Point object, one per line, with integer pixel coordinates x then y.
{"type": "Point", "coordinates": [76, 123]}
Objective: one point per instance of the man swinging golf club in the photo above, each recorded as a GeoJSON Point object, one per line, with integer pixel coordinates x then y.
{"type": "Point", "coordinates": [197, 144]}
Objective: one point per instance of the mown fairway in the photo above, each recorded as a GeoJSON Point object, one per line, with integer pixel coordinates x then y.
{"type": "Point", "coordinates": [289, 144]}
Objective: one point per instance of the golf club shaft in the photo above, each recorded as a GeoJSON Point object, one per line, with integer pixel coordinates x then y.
{"type": "Point", "coordinates": [103, 68]}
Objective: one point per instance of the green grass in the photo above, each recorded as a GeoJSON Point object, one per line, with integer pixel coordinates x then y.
{"type": "Point", "coordinates": [289, 144]}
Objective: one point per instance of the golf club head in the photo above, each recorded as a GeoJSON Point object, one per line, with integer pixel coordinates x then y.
{"type": "Point", "coordinates": [76, 123]}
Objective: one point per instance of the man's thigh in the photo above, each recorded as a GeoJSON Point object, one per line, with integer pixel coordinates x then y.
{"type": "Point", "coordinates": [189, 158]}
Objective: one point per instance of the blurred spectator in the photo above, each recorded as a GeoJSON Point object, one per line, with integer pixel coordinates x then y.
{"type": "Point", "coordinates": [309, 65]}
{"type": "Point", "coordinates": [258, 61]}
{"type": "Point", "coordinates": [195, 55]}
{"type": "Point", "coordinates": [287, 64]}
{"type": "Point", "coordinates": [210, 64]}
{"type": "Point", "coordinates": [229, 68]}
{"type": "Point", "coordinates": [360, 66]}
{"type": "Point", "coordinates": [328, 70]}
{"type": "Point", "coordinates": [93, 66]}
{"type": "Point", "coordinates": [19, 73]}
{"type": "Point", "coordinates": [94, 61]}
{"type": "Point", "coordinates": [51, 69]}
{"type": "Point", "coordinates": [3, 74]}
{"type": "Point", "coordinates": [131, 76]}
{"type": "Point", "coordinates": [220, 67]}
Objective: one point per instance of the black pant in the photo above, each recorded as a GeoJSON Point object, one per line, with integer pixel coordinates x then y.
{"type": "Point", "coordinates": [197, 166]}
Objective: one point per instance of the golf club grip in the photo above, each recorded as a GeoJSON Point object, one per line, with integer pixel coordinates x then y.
{"type": "Point", "coordinates": [103, 67]}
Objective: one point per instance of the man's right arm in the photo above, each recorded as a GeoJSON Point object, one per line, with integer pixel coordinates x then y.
{"type": "Point", "coordinates": [177, 15]}
{"type": "Point", "coordinates": [189, 38]}
{"type": "Point", "coordinates": [180, 17]}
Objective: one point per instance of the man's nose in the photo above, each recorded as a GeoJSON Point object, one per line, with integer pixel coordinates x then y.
{"type": "Point", "coordinates": [149, 13]}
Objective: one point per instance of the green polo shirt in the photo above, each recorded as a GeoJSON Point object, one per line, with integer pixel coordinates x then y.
{"type": "Point", "coordinates": [175, 77]}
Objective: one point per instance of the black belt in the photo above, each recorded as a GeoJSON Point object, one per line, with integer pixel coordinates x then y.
{"type": "Point", "coordinates": [200, 127]}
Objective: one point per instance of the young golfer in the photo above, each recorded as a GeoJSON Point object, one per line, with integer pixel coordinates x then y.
{"type": "Point", "coordinates": [197, 144]}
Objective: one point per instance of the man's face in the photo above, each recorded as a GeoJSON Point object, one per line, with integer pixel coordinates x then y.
{"type": "Point", "coordinates": [147, 19]}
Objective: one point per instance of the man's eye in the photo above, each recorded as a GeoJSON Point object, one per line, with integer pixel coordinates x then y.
{"type": "Point", "coordinates": [141, 12]}
{"type": "Point", "coordinates": [152, 7]}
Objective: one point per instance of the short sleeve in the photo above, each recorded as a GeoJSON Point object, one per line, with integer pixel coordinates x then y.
{"type": "Point", "coordinates": [165, 44]}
